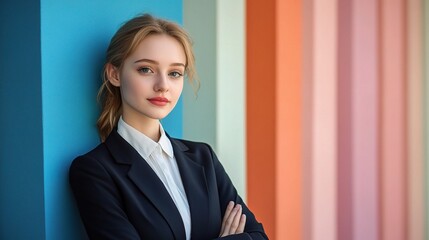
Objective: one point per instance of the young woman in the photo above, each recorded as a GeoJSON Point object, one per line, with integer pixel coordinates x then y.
{"type": "Point", "coordinates": [140, 183]}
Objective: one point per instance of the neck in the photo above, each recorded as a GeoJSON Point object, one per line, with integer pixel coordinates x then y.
{"type": "Point", "coordinates": [147, 126]}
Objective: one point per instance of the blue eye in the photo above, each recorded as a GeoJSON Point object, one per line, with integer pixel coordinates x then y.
{"type": "Point", "coordinates": [145, 70]}
{"type": "Point", "coordinates": [175, 74]}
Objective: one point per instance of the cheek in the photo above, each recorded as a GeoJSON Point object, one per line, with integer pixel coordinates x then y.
{"type": "Point", "coordinates": [132, 87]}
{"type": "Point", "coordinates": [177, 87]}
{"type": "Point", "coordinates": [127, 89]}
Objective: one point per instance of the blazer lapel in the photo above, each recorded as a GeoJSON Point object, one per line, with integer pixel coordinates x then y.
{"type": "Point", "coordinates": [147, 181]}
{"type": "Point", "coordinates": [195, 184]}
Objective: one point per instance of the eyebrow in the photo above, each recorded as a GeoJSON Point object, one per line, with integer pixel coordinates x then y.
{"type": "Point", "coordinates": [157, 63]}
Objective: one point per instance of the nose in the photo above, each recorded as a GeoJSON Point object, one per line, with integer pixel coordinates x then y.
{"type": "Point", "coordinates": [161, 83]}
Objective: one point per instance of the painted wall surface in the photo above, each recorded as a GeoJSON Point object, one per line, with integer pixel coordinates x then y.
{"type": "Point", "coordinates": [365, 96]}
{"type": "Point", "coordinates": [21, 149]}
{"type": "Point", "coordinates": [217, 114]}
{"type": "Point", "coordinates": [74, 38]}
{"type": "Point", "coordinates": [53, 54]}
{"type": "Point", "coordinates": [231, 89]}
{"type": "Point", "coordinates": [425, 66]}
{"type": "Point", "coordinates": [199, 113]}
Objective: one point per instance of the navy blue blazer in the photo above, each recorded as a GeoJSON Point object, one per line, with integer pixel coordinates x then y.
{"type": "Point", "coordinates": [119, 196]}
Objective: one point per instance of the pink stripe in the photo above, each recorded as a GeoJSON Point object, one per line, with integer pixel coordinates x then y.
{"type": "Point", "coordinates": [415, 123]}
{"type": "Point", "coordinates": [426, 109]}
{"type": "Point", "coordinates": [345, 190]}
{"type": "Point", "coordinates": [358, 121]}
{"type": "Point", "coordinates": [365, 87]}
{"type": "Point", "coordinates": [324, 120]}
{"type": "Point", "coordinates": [393, 151]}
{"type": "Point", "coordinates": [307, 101]}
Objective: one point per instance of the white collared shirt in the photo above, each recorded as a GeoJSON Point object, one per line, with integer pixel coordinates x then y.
{"type": "Point", "coordinates": [160, 157]}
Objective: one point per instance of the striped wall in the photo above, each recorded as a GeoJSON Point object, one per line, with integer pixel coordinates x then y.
{"type": "Point", "coordinates": [318, 109]}
{"type": "Point", "coordinates": [336, 97]}
{"type": "Point", "coordinates": [337, 100]}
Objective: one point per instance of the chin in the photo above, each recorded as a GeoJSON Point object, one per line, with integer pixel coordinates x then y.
{"type": "Point", "coordinates": [158, 116]}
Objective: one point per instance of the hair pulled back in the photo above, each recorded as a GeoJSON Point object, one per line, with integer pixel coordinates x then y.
{"type": "Point", "coordinates": [122, 45]}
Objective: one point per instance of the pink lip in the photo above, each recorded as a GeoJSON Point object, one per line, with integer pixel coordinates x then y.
{"type": "Point", "coordinates": [159, 101]}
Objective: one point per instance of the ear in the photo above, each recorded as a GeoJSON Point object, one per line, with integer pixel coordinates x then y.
{"type": "Point", "coordinates": [112, 73]}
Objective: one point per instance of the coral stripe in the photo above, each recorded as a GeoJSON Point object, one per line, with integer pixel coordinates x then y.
{"type": "Point", "coordinates": [393, 110]}
{"type": "Point", "coordinates": [288, 119]}
{"type": "Point", "coordinates": [260, 111]}
{"type": "Point", "coordinates": [274, 115]}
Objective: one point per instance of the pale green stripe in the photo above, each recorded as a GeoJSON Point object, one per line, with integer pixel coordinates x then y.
{"type": "Point", "coordinates": [199, 113]}
{"type": "Point", "coordinates": [231, 90]}
{"type": "Point", "coordinates": [217, 115]}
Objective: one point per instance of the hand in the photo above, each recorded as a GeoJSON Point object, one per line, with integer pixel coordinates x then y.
{"type": "Point", "coordinates": [233, 221]}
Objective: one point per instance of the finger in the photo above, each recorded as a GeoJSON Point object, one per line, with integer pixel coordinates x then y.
{"type": "Point", "coordinates": [230, 220]}
{"type": "Point", "coordinates": [242, 224]}
{"type": "Point", "coordinates": [228, 210]}
{"type": "Point", "coordinates": [236, 221]}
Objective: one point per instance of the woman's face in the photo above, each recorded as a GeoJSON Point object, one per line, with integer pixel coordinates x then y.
{"type": "Point", "coordinates": [151, 78]}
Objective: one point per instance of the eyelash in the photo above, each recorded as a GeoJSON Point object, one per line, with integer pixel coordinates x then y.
{"type": "Point", "coordinates": [146, 70]}
{"type": "Point", "coordinates": [177, 73]}
{"type": "Point", "coordinates": [142, 70]}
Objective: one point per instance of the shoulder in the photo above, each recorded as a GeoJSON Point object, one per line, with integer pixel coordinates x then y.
{"type": "Point", "coordinates": [199, 152]}
{"type": "Point", "coordinates": [92, 157]}
{"type": "Point", "coordinates": [191, 146]}
{"type": "Point", "coordinates": [99, 151]}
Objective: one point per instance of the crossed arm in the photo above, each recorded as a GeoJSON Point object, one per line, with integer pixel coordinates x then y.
{"type": "Point", "coordinates": [238, 223]}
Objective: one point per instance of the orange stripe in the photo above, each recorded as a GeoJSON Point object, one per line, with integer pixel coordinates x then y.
{"type": "Point", "coordinates": [288, 119]}
{"type": "Point", "coordinates": [260, 115]}
{"type": "Point", "coordinates": [274, 115]}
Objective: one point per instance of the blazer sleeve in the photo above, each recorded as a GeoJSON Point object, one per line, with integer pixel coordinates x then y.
{"type": "Point", "coordinates": [98, 201]}
{"type": "Point", "coordinates": [227, 192]}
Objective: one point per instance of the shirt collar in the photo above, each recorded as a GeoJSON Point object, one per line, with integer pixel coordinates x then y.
{"type": "Point", "coordinates": [142, 143]}
{"type": "Point", "coordinates": [165, 143]}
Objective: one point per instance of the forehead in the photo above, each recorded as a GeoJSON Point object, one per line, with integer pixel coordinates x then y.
{"type": "Point", "coordinates": [161, 48]}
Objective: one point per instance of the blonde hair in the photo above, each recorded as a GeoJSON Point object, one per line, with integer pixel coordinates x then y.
{"type": "Point", "coordinates": [122, 45]}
